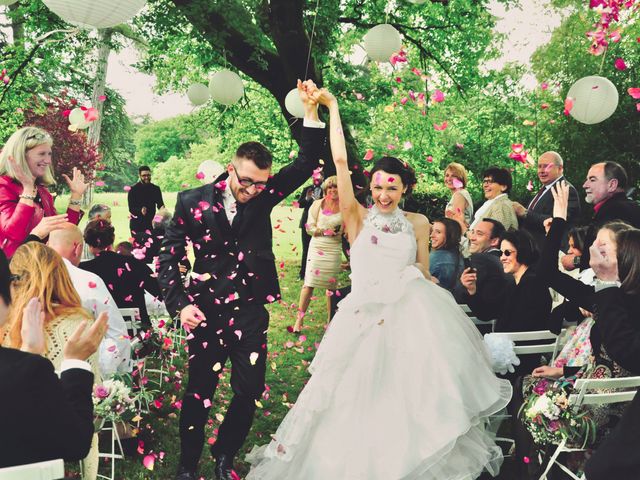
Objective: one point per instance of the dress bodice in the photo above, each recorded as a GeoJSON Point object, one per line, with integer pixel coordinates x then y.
{"type": "Point", "coordinates": [383, 257]}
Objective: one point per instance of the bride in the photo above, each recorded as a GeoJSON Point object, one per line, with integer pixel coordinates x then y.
{"type": "Point", "coordinates": [401, 385]}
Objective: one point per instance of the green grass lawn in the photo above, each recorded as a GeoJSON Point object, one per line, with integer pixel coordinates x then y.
{"type": "Point", "coordinates": [285, 220]}
{"type": "Point", "coordinates": [289, 356]}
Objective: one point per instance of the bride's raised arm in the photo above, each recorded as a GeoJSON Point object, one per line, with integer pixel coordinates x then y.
{"type": "Point", "coordinates": [352, 211]}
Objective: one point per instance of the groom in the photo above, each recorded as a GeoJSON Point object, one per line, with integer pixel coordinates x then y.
{"type": "Point", "coordinates": [234, 275]}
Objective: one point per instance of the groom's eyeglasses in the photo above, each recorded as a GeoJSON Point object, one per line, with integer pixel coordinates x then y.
{"type": "Point", "coordinates": [246, 182]}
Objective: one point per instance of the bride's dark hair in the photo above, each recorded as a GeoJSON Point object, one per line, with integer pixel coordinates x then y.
{"type": "Point", "coordinates": [395, 166]}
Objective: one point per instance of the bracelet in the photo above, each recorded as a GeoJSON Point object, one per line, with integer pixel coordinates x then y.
{"type": "Point", "coordinates": [27, 197]}
{"type": "Point", "coordinates": [76, 203]}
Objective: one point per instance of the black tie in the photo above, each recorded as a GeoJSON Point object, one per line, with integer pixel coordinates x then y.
{"type": "Point", "coordinates": [536, 198]}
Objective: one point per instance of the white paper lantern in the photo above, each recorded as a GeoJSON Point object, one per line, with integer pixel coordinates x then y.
{"type": "Point", "coordinates": [226, 87]}
{"type": "Point", "coordinates": [198, 94]}
{"type": "Point", "coordinates": [95, 13]}
{"type": "Point", "coordinates": [7, 2]}
{"type": "Point", "coordinates": [417, 2]}
{"type": "Point", "coordinates": [211, 170]}
{"type": "Point", "coordinates": [293, 104]}
{"type": "Point", "coordinates": [76, 118]}
{"type": "Point", "coordinates": [594, 99]}
{"type": "Point", "coordinates": [381, 42]}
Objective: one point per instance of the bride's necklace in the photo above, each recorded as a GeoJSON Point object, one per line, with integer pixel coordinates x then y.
{"type": "Point", "coordinates": [392, 222]}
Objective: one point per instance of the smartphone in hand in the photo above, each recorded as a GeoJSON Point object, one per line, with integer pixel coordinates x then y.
{"type": "Point", "coordinates": [467, 264]}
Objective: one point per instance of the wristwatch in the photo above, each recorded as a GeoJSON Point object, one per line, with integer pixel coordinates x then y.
{"type": "Point", "coordinates": [576, 261]}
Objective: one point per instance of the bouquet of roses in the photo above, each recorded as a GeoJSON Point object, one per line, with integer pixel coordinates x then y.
{"type": "Point", "coordinates": [549, 418]}
{"type": "Point", "coordinates": [114, 400]}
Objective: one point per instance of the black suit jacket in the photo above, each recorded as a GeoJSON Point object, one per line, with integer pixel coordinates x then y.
{"type": "Point", "coordinates": [617, 318]}
{"type": "Point", "coordinates": [543, 209]}
{"type": "Point", "coordinates": [126, 278]}
{"type": "Point", "coordinates": [492, 282]}
{"type": "Point", "coordinates": [234, 264]}
{"type": "Point", "coordinates": [42, 417]}
{"type": "Point", "coordinates": [618, 207]}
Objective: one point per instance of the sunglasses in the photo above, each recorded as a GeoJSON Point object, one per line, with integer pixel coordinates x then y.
{"type": "Point", "coordinates": [246, 183]}
{"type": "Point", "coordinates": [507, 253]}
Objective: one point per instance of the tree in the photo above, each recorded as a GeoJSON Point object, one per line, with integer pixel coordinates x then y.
{"type": "Point", "coordinates": [158, 141]}
{"type": "Point", "coordinates": [269, 42]}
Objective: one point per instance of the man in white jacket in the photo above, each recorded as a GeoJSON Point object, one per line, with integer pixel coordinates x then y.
{"type": "Point", "coordinates": [115, 349]}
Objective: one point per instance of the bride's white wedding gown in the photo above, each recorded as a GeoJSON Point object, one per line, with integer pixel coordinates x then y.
{"type": "Point", "coordinates": [401, 384]}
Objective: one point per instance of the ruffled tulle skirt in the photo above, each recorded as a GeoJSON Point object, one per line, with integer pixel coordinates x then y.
{"type": "Point", "coordinates": [401, 388]}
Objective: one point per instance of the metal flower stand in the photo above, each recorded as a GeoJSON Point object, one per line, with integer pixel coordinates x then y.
{"type": "Point", "coordinates": [115, 451]}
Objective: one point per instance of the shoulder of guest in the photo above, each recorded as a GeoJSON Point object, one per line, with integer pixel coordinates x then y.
{"type": "Point", "coordinates": [9, 183]}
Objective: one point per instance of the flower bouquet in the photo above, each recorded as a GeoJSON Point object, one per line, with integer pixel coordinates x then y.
{"type": "Point", "coordinates": [549, 418]}
{"type": "Point", "coordinates": [114, 401]}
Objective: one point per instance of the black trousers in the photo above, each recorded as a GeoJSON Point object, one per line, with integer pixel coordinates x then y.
{"type": "Point", "coordinates": [213, 344]}
{"type": "Point", "coordinates": [306, 239]}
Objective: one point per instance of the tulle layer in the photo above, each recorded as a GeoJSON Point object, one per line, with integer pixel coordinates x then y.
{"type": "Point", "coordinates": [398, 391]}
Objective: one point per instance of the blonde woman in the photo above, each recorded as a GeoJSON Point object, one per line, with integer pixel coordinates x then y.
{"type": "Point", "coordinates": [324, 225]}
{"type": "Point", "coordinates": [455, 179]}
{"type": "Point", "coordinates": [26, 171]}
{"type": "Point", "coordinates": [40, 273]}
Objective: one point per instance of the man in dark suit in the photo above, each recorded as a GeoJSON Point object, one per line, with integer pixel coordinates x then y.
{"type": "Point", "coordinates": [484, 275]}
{"type": "Point", "coordinates": [234, 275]}
{"type": "Point", "coordinates": [605, 187]}
{"type": "Point", "coordinates": [550, 171]}
{"type": "Point", "coordinates": [143, 199]}
{"type": "Point", "coordinates": [44, 417]}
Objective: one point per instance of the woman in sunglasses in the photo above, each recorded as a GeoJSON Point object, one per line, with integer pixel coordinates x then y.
{"type": "Point", "coordinates": [26, 206]}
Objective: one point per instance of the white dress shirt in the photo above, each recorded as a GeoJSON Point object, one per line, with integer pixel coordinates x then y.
{"type": "Point", "coordinates": [115, 349]}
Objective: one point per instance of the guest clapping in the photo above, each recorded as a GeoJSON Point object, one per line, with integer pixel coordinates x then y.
{"type": "Point", "coordinates": [44, 417]}
{"type": "Point", "coordinates": [25, 173]}
{"type": "Point", "coordinates": [445, 259]}
{"type": "Point", "coordinates": [324, 225]}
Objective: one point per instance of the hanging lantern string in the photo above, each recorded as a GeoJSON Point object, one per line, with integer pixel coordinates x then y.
{"type": "Point", "coordinates": [604, 54]}
{"type": "Point", "coordinates": [313, 31]}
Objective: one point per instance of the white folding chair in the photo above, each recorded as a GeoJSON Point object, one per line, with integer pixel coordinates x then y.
{"type": "Point", "coordinates": [582, 397]}
{"type": "Point", "coordinates": [545, 342]}
{"type": "Point", "coordinates": [476, 321]}
{"type": "Point", "coordinates": [49, 470]}
{"type": "Point", "coordinates": [131, 319]}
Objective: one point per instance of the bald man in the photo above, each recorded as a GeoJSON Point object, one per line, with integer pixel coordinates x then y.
{"type": "Point", "coordinates": [550, 171]}
{"type": "Point", "coordinates": [115, 349]}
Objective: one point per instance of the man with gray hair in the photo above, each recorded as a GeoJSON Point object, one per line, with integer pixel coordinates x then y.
{"type": "Point", "coordinates": [100, 210]}
{"type": "Point", "coordinates": [550, 171]}
{"type": "Point", "coordinates": [115, 349]}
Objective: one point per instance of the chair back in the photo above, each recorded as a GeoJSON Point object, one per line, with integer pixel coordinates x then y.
{"type": "Point", "coordinates": [541, 341]}
{"type": "Point", "coordinates": [131, 319]}
{"type": "Point", "coordinates": [483, 325]}
{"type": "Point", "coordinates": [49, 470]}
{"type": "Point", "coordinates": [583, 396]}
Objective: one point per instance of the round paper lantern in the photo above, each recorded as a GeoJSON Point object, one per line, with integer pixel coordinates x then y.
{"type": "Point", "coordinates": [76, 117]}
{"type": "Point", "coordinates": [417, 2]}
{"type": "Point", "coordinates": [381, 42]}
{"type": "Point", "coordinates": [293, 104]}
{"type": "Point", "coordinates": [95, 13]}
{"type": "Point", "coordinates": [7, 2]}
{"type": "Point", "coordinates": [198, 94]}
{"type": "Point", "coordinates": [594, 99]}
{"type": "Point", "coordinates": [209, 171]}
{"type": "Point", "coordinates": [226, 87]}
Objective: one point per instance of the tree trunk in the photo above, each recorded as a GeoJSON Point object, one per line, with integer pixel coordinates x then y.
{"type": "Point", "coordinates": [98, 90]}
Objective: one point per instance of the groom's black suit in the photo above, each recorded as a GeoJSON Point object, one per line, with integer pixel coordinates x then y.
{"type": "Point", "coordinates": [237, 276]}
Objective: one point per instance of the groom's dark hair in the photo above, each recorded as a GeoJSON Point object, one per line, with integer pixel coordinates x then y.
{"type": "Point", "coordinates": [257, 153]}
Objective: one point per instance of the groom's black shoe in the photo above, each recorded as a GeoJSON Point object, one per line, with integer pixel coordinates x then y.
{"type": "Point", "coordinates": [224, 465]}
{"type": "Point", "coordinates": [185, 474]}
